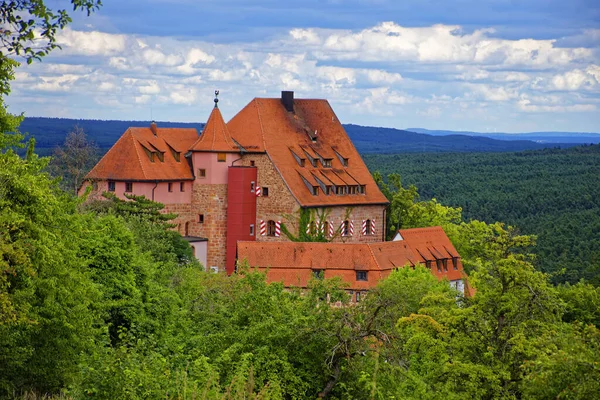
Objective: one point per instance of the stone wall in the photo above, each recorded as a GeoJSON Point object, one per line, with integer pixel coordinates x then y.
{"type": "Point", "coordinates": [211, 201]}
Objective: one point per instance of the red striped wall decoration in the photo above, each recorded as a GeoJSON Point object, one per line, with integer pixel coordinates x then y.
{"type": "Point", "coordinates": [263, 228]}
{"type": "Point", "coordinates": [258, 191]}
{"type": "Point", "coordinates": [278, 228]}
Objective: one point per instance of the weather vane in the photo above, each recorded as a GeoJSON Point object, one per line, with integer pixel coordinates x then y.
{"type": "Point", "coordinates": [217, 98]}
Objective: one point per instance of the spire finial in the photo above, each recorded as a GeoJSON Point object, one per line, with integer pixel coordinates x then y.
{"type": "Point", "coordinates": [217, 98]}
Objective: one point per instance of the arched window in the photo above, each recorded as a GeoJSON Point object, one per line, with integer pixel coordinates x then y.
{"type": "Point", "coordinates": [271, 228]}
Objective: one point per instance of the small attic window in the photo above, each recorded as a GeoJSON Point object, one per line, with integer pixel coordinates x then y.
{"type": "Point", "coordinates": [176, 154]}
{"type": "Point", "coordinates": [326, 162]}
{"type": "Point", "coordinates": [149, 153]}
{"type": "Point", "coordinates": [340, 190]}
{"type": "Point", "coordinates": [298, 159]}
{"type": "Point", "coordinates": [352, 189]}
{"type": "Point", "coordinates": [342, 159]}
{"type": "Point", "coordinates": [362, 189]}
{"type": "Point", "coordinates": [160, 155]}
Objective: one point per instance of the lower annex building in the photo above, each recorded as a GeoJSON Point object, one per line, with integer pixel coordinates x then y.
{"type": "Point", "coordinates": [239, 188]}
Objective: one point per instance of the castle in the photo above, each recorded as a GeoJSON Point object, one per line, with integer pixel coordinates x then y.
{"type": "Point", "coordinates": [239, 188]}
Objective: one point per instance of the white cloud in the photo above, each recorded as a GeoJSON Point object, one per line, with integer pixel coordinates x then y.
{"type": "Point", "coordinates": [386, 71]}
{"type": "Point", "coordinates": [91, 43]}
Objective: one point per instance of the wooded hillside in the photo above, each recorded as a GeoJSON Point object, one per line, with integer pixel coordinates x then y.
{"type": "Point", "coordinates": [552, 193]}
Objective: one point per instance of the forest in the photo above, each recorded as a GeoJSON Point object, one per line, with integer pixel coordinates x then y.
{"type": "Point", "coordinates": [551, 193]}
{"type": "Point", "coordinates": [103, 300]}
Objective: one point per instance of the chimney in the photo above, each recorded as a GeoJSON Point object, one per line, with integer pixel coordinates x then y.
{"type": "Point", "coordinates": [154, 128]}
{"type": "Point", "coordinates": [287, 98]}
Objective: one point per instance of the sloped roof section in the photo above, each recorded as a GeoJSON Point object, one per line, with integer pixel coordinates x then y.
{"type": "Point", "coordinates": [432, 244]}
{"type": "Point", "coordinates": [265, 125]}
{"type": "Point", "coordinates": [140, 155]}
{"type": "Point", "coordinates": [294, 263]}
{"type": "Point", "coordinates": [215, 137]}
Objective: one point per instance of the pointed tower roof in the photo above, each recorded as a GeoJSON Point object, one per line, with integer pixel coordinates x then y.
{"type": "Point", "coordinates": [215, 136]}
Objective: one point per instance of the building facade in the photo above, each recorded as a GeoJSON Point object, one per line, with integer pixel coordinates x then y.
{"type": "Point", "coordinates": [252, 179]}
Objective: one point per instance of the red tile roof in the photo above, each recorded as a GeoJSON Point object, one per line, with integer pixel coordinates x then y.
{"type": "Point", "coordinates": [293, 263]}
{"type": "Point", "coordinates": [215, 136]}
{"type": "Point", "coordinates": [265, 125]}
{"type": "Point", "coordinates": [136, 156]}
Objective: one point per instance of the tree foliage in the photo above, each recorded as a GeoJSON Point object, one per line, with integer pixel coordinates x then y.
{"type": "Point", "coordinates": [73, 160]}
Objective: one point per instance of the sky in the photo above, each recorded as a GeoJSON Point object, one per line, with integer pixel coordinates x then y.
{"type": "Point", "coordinates": [473, 65]}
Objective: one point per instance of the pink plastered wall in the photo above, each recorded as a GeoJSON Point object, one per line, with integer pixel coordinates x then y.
{"type": "Point", "coordinates": [161, 191]}
{"type": "Point", "coordinates": [216, 172]}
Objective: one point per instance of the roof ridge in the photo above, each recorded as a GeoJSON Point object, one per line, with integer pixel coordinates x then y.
{"type": "Point", "coordinates": [262, 129]}
{"type": "Point", "coordinates": [373, 256]}
{"type": "Point", "coordinates": [138, 153]}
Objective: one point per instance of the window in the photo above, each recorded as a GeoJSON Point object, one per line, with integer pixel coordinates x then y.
{"type": "Point", "coordinates": [129, 187]}
{"type": "Point", "coordinates": [265, 192]}
{"type": "Point", "coordinates": [368, 227]}
{"type": "Point", "coordinates": [95, 185]}
{"type": "Point", "coordinates": [170, 187]}
{"type": "Point", "coordinates": [340, 189]}
{"type": "Point", "coordinates": [201, 218]}
{"type": "Point", "coordinates": [251, 229]}
{"type": "Point", "coordinates": [445, 264]}
{"type": "Point", "coordinates": [221, 157]}
{"type": "Point", "coordinates": [352, 189]}
{"type": "Point", "coordinates": [111, 186]}
{"type": "Point", "coordinates": [201, 173]}
{"type": "Point", "coordinates": [428, 264]}
{"type": "Point", "coordinates": [271, 228]}
{"type": "Point", "coordinates": [438, 263]}
{"type": "Point", "coordinates": [318, 273]}
{"type": "Point", "coordinates": [361, 189]}
{"type": "Point", "coordinates": [252, 187]}
{"type": "Point", "coordinates": [361, 275]}
{"type": "Point", "coordinates": [187, 228]}
{"type": "Point", "coordinates": [346, 228]}
{"type": "Point", "coordinates": [326, 162]}
{"type": "Point", "coordinates": [182, 186]}
{"type": "Point", "coordinates": [455, 262]}
{"type": "Point", "coordinates": [252, 163]}
{"type": "Point", "coordinates": [315, 190]}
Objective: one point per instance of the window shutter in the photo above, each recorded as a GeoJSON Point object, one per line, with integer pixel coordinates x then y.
{"type": "Point", "coordinates": [372, 227]}
{"type": "Point", "coordinates": [351, 233]}
{"type": "Point", "coordinates": [331, 229]}
{"type": "Point", "coordinates": [263, 228]}
{"type": "Point", "coordinates": [363, 230]}
{"type": "Point", "coordinates": [258, 191]}
{"type": "Point", "coordinates": [278, 228]}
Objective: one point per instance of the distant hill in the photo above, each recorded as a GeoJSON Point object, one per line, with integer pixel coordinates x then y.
{"type": "Point", "coordinates": [387, 140]}
{"type": "Point", "coordinates": [540, 137]}
{"type": "Point", "coordinates": [51, 132]}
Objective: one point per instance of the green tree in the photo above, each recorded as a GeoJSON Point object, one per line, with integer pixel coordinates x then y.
{"type": "Point", "coordinates": [29, 27]}
{"type": "Point", "coordinates": [73, 160]}
{"type": "Point", "coordinates": [47, 315]}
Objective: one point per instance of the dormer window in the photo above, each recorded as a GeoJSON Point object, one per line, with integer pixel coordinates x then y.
{"type": "Point", "coordinates": [342, 159]}
{"type": "Point", "coordinates": [340, 190]}
{"type": "Point", "coordinates": [361, 189]}
{"type": "Point", "coordinates": [298, 159]}
{"type": "Point", "coordinates": [326, 162]}
{"type": "Point", "coordinates": [352, 189]}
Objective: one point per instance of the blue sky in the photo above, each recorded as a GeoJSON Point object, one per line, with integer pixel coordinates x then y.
{"type": "Point", "coordinates": [510, 66]}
